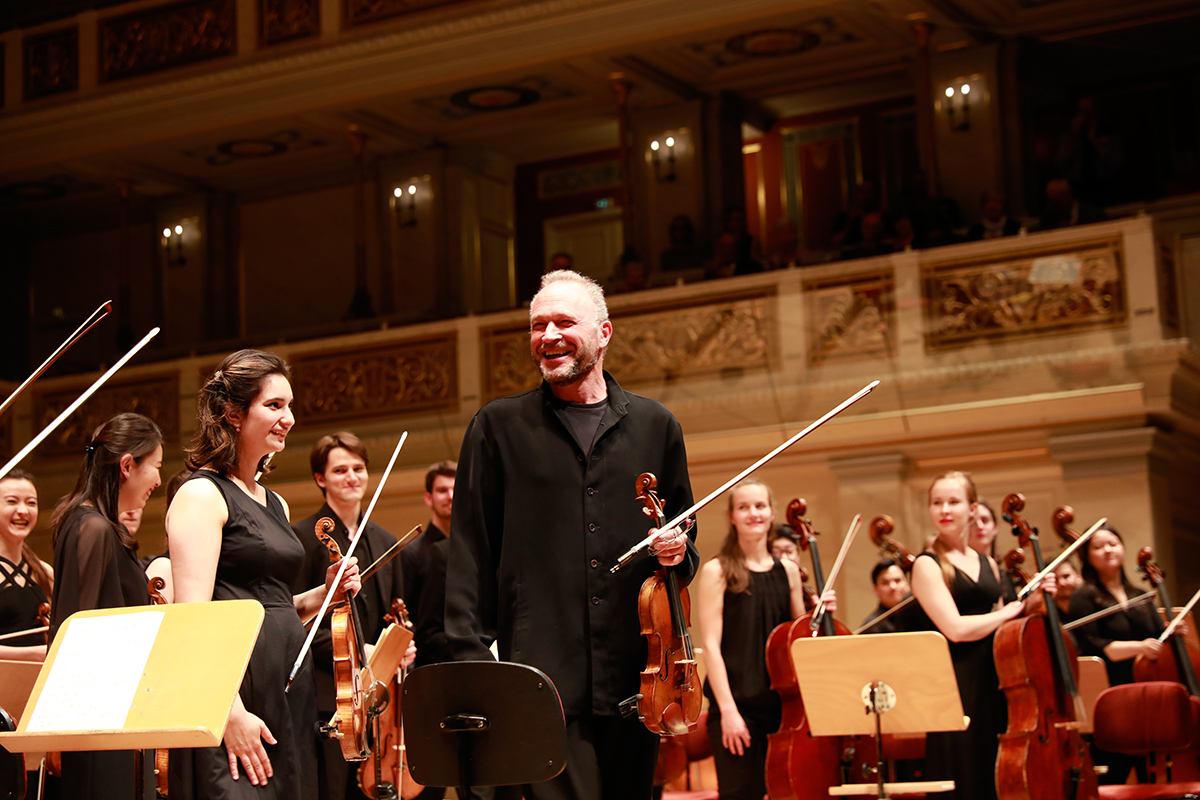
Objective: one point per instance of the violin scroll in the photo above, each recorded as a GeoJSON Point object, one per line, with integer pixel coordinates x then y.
{"type": "Point", "coordinates": [881, 528]}
{"type": "Point", "coordinates": [646, 484]}
{"type": "Point", "coordinates": [1011, 507]}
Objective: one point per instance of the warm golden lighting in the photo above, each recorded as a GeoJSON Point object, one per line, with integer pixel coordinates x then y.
{"type": "Point", "coordinates": [949, 91]}
{"type": "Point", "coordinates": [167, 232]}
{"type": "Point", "coordinates": [398, 192]}
{"type": "Point", "coordinates": [654, 145]}
{"type": "Point", "coordinates": [966, 88]}
{"type": "Point", "coordinates": [670, 141]}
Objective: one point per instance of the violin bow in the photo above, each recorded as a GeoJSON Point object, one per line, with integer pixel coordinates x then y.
{"type": "Point", "coordinates": [893, 610]}
{"type": "Point", "coordinates": [1179, 618]}
{"type": "Point", "coordinates": [19, 634]}
{"type": "Point", "coordinates": [1104, 612]}
{"type": "Point", "coordinates": [1063, 556]}
{"type": "Point", "coordinates": [78, 402]}
{"type": "Point", "coordinates": [651, 539]}
{"type": "Point", "coordinates": [391, 552]}
{"type": "Point", "coordinates": [362, 526]}
{"type": "Point", "coordinates": [819, 611]}
{"type": "Point", "coordinates": [100, 313]}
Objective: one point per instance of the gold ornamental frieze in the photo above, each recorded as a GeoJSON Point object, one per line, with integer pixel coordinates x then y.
{"type": "Point", "coordinates": [701, 338]}
{"type": "Point", "coordinates": [391, 380]}
{"type": "Point", "coordinates": [162, 37]}
{"type": "Point", "coordinates": [1045, 292]}
{"type": "Point", "coordinates": [850, 316]}
{"type": "Point", "coordinates": [156, 398]}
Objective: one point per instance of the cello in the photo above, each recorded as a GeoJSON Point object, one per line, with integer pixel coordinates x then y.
{"type": "Point", "coordinates": [800, 765]}
{"type": "Point", "coordinates": [669, 697]}
{"type": "Point", "coordinates": [1042, 755]}
{"type": "Point", "coordinates": [1177, 662]}
{"type": "Point", "coordinates": [881, 529]}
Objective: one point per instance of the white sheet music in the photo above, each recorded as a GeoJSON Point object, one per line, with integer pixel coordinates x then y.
{"type": "Point", "coordinates": [96, 672]}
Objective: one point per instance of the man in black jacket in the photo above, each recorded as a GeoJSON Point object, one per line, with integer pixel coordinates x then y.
{"type": "Point", "coordinates": [545, 506]}
{"type": "Point", "coordinates": [339, 466]}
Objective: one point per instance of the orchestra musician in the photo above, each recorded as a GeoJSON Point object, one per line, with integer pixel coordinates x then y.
{"type": "Point", "coordinates": [544, 508]}
{"type": "Point", "coordinates": [1118, 638]}
{"type": "Point", "coordinates": [25, 580]}
{"type": "Point", "coordinates": [983, 540]}
{"type": "Point", "coordinates": [230, 539]}
{"type": "Point", "coordinates": [891, 587]}
{"type": "Point", "coordinates": [1069, 581]}
{"type": "Point", "coordinates": [414, 559]}
{"type": "Point", "coordinates": [743, 594]}
{"type": "Point", "coordinates": [96, 566]}
{"type": "Point", "coordinates": [959, 590]}
{"type": "Point", "coordinates": [338, 462]}
{"type": "Point", "coordinates": [785, 544]}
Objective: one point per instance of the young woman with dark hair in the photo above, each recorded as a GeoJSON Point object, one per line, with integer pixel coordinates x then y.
{"type": "Point", "coordinates": [230, 538]}
{"type": "Point", "coordinates": [25, 580]}
{"type": "Point", "coordinates": [743, 594]}
{"type": "Point", "coordinates": [1118, 638]}
{"type": "Point", "coordinates": [96, 566]}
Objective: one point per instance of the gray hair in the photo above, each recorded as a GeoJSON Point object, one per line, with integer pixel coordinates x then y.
{"type": "Point", "coordinates": [594, 291]}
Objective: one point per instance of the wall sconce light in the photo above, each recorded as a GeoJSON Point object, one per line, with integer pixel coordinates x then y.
{"type": "Point", "coordinates": [398, 204]}
{"type": "Point", "coordinates": [173, 235]}
{"type": "Point", "coordinates": [964, 105]}
{"type": "Point", "coordinates": [655, 148]}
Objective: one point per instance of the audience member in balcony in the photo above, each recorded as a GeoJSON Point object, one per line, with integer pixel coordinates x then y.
{"type": "Point", "coordinates": [1063, 209]}
{"type": "Point", "coordinates": [934, 218]}
{"type": "Point", "coordinates": [873, 239]}
{"type": "Point", "coordinates": [560, 260]}
{"type": "Point", "coordinates": [847, 226]}
{"type": "Point", "coordinates": [684, 257]}
{"type": "Point", "coordinates": [629, 274]}
{"type": "Point", "coordinates": [787, 251]}
{"type": "Point", "coordinates": [904, 235]}
{"type": "Point", "coordinates": [734, 221]}
{"type": "Point", "coordinates": [726, 262]}
{"type": "Point", "coordinates": [1089, 155]}
{"type": "Point", "coordinates": [995, 221]}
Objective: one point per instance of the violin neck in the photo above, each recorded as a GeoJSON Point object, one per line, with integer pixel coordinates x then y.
{"type": "Point", "coordinates": [677, 620]}
{"type": "Point", "coordinates": [1187, 674]}
{"type": "Point", "coordinates": [1054, 630]}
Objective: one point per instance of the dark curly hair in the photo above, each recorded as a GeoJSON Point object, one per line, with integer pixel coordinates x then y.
{"type": "Point", "coordinates": [230, 389]}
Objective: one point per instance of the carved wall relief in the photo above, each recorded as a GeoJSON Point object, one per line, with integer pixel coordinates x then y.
{"type": "Point", "coordinates": [156, 398]}
{"type": "Point", "coordinates": [52, 63]}
{"type": "Point", "coordinates": [359, 12]}
{"type": "Point", "coordinates": [850, 317]}
{"type": "Point", "coordinates": [284, 20]}
{"type": "Point", "coordinates": [699, 339]}
{"type": "Point", "coordinates": [402, 378]}
{"type": "Point", "coordinates": [1073, 289]}
{"type": "Point", "coordinates": [166, 36]}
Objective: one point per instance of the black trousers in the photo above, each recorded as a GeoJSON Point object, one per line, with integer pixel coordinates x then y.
{"type": "Point", "coordinates": [742, 777]}
{"type": "Point", "coordinates": [608, 758]}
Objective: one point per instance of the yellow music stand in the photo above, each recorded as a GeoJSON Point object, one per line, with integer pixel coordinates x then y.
{"type": "Point", "coordinates": [139, 678]}
{"type": "Point", "coordinates": [872, 685]}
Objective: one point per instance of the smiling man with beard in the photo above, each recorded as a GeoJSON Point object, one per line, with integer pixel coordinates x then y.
{"type": "Point", "coordinates": [544, 506]}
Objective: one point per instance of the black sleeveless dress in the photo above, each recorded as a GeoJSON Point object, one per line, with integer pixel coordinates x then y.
{"type": "Point", "coordinates": [747, 620]}
{"type": "Point", "coordinates": [969, 757]}
{"type": "Point", "coordinates": [260, 557]}
{"type": "Point", "coordinates": [20, 598]}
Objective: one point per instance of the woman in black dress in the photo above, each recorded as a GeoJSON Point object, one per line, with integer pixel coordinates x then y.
{"type": "Point", "coordinates": [1118, 638]}
{"type": "Point", "coordinates": [25, 580]}
{"type": "Point", "coordinates": [96, 566]}
{"type": "Point", "coordinates": [743, 594]}
{"type": "Point", "coordinates": [959, 590]}
{"type": "Point", "coordinates": [230, 538]}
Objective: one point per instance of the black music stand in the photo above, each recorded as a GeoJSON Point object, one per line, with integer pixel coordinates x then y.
{"type": "Point", "coordinates": [482, 723]}
{"type": "Point", "coordinates": [850, 684]}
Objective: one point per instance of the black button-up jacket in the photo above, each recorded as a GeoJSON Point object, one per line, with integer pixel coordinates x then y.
{"type": "Point", "coordinates": [536, 527]}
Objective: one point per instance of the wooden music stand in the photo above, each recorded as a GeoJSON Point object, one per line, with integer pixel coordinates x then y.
{"type": "Point", "coordinates": [903, 681]}
{"type": "Point", "coordinates": [139, 678]}
{"type": "Point", "coordinates": [483, 723]}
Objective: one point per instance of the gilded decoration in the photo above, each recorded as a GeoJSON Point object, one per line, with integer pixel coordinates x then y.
{"type": "Point", "coordinates": [701, 339]}
{"type": "Point", "coordinates": [401, 378]}
{"type": "Point", "coordinates": [359, 12]}
{"type": "Point", "coordinates": [850, 317]}
{"type": "Point", "coordinates": [163, 37]}
{"type": "Point", "coordinates": [52, 63]}
{"type": "Point", "coordinates": [1073, 289]}
{"type": "Point", "coordinates": [156, 398]}
{"type": "Point", "coordinates": [284, 20]}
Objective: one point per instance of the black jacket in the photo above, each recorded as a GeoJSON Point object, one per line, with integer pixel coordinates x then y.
{"type": "Point", "coordinates": [374, 600]}
{"type": "Point", "coordinates": [536, 527]}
